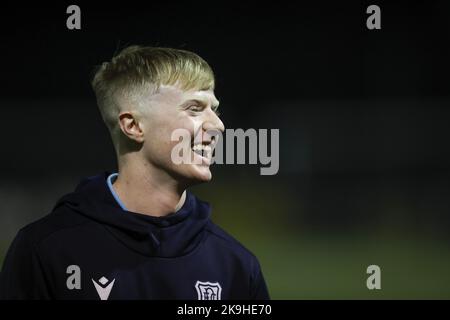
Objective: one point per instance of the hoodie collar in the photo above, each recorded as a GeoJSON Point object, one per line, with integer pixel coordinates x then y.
{"type": "Point", "coordinates": [109, 181]}
{"type": "Point", "coordinates": [170, 236]}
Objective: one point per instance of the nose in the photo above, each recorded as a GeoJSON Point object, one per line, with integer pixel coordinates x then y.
{"type": "Point", "coordinates": [212, 127]}
{"type": "Point", "coordinates": [213, 122]}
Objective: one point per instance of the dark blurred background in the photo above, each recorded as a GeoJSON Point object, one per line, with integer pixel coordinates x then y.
{"type": "Point", "coordinates": [363, 118]}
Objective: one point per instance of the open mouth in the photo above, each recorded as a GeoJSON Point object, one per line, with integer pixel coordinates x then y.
{"type": "Point", "coordinates": [203, 150]}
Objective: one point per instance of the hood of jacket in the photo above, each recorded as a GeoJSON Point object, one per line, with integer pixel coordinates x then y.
{"type": "Point", "coordinates": [170, 236]}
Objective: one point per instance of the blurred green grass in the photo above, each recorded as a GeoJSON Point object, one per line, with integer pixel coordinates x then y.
{"type": "Point", "coordinates": [324, 267]}
{"type": "Point", "coordinates": [331, 268]}
{"type": "Point", "coordinates": [299, 263]}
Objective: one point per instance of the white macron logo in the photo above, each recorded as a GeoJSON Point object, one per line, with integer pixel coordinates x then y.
{"type": "Point", "coordinates": [103, 290]}
{"type": "Point", "coordinates": [208, 290]}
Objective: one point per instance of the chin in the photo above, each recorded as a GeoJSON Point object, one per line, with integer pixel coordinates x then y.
{"type": "Point", "coordinates": [201, 173]}
{"type": "Point", "coordinates": [198, 174]}
{"type": "Point", "coordinates": [194, 174]}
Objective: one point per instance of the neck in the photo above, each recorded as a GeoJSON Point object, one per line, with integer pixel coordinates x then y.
{"type": "Point", "coordinates": [147, 190]}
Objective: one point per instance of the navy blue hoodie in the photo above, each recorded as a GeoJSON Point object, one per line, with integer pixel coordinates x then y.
{"type": "Point", "coordinates": [89, 248]}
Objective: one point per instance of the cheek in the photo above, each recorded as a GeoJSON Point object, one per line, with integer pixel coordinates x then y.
{"type": "Point", "coordinates": [185, 123]}
{"type": "Point", "coordinates": [159, 142]}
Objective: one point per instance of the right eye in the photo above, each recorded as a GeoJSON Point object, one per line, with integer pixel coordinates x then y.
{"type": "Point", "coordinates": [195, 108]}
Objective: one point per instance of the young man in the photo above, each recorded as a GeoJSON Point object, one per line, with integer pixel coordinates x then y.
{"type": "Point", "coordinates": [138, 234]}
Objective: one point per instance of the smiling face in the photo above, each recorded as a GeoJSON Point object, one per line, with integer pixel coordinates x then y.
{"type": "Point", "coordinates": [169, 109]}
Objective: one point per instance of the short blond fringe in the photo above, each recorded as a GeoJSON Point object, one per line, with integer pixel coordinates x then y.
{"type": "Point", "coordinates": [137, 67]}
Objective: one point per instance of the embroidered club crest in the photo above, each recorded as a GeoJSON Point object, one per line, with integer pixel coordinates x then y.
{"type": "Point", "coordinates": [208, 290]}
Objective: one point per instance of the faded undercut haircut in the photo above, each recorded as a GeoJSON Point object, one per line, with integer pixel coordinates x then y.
{"type": "Point", "coordinates": [138, 70]}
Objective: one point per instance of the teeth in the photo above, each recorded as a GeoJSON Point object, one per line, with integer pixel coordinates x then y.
{"type": "Point", "coordinates": [202, 150]}
{"type": "Point", "coordinates": [201, 147]}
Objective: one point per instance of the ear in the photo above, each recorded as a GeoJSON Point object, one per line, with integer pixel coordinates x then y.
{"type": "Point", "coordinates": [130, 126]}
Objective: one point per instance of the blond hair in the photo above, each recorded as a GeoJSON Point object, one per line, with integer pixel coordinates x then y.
{"type": "Point", "coordinates": [136, 70]}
